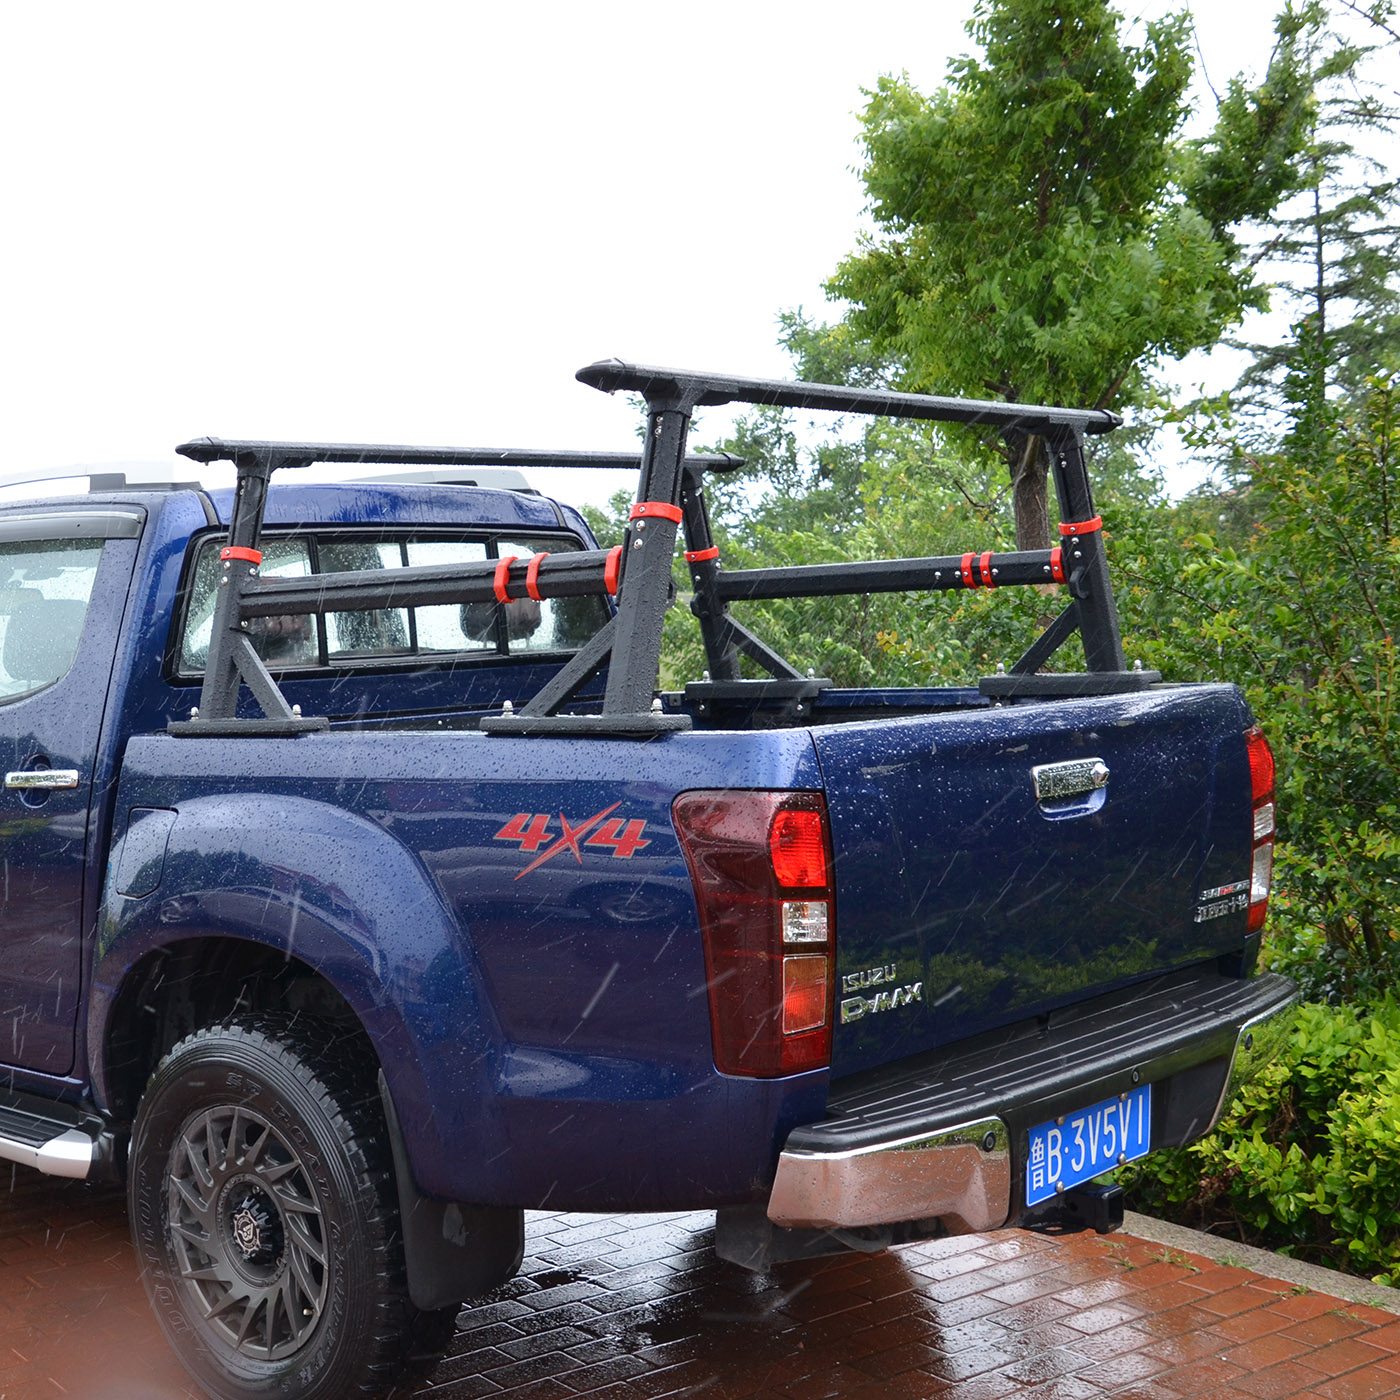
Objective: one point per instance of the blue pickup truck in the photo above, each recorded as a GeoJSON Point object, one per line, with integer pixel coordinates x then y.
{"type": "Point", "coordinates": [363, 889]}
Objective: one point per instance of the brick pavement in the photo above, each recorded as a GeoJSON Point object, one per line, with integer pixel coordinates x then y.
{"type": "Point", "coordinates": [638, 1308]}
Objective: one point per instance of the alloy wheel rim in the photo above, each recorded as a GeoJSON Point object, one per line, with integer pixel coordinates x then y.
{"type": "Point", "coordinates": [249, 1232]}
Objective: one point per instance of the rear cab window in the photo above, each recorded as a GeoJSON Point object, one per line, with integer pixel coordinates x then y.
{"type": "Point", "coordinates": [386, 636]}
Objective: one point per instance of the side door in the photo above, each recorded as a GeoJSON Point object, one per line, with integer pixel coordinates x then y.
{"type": "Point", "coordinates": [63, 582]}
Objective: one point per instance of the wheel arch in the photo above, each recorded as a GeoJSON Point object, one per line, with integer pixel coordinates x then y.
{"type": "Point", "coordinates": [315, 908]}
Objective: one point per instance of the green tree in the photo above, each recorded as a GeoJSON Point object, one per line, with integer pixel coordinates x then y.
{"type": "Point", "coordinates": [1301, 609]}
{"type": "Point", "coordinates": [1334, 248]}
{"type": "Point", "coordinates": [1044, 233]}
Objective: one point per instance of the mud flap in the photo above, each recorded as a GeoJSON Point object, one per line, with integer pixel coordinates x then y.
{"type": "Point", "coordinates": [453, 1251]}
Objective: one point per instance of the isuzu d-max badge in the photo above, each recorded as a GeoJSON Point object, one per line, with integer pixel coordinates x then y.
{"type": "Point", "coordinates": [889, 998]}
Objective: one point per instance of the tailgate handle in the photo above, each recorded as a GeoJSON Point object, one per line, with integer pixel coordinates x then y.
{"type": "Point", "coordinates": [1056, 781]}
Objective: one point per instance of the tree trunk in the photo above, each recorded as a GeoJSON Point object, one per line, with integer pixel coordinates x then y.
{"type": "Point", "coordinates": [1030, 469]}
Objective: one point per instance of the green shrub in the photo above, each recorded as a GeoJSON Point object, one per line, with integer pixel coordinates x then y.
{"type": "Point", "coordinates": [1307, 1159]}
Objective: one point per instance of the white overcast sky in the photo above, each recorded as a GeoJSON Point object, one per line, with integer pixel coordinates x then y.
{"type": "Point", "coordinates": [412, 223]}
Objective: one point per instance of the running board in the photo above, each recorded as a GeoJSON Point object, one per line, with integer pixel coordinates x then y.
{"type": "Point", "coordinates": [35, 1133]}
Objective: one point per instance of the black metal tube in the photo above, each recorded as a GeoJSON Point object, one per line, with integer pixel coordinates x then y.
{"type": "Point", "coordinates": [708, 390]}
{"type": "Point", "coordinates": [1085, 562]}
{"type": "Point", "coordinates": [576, 574]}
{"type": "Point", "coordinates": [884, 576]}
{"type": "Point", "coordinates": [648, 548]}
{"type": "Point", "coordinates": [300, 454]}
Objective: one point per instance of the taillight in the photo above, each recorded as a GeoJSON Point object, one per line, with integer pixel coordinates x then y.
{"type": "Point", "coordinates": [760, 863]}
{"type": "Point", "coordinates": [1261, 782]}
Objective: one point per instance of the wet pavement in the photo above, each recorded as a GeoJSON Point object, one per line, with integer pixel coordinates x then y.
{"type": "Point", "coordinates": [637, 1308]}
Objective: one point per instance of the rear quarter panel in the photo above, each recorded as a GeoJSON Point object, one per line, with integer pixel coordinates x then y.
{"type": "Point", "coordinates": [544, 1031]}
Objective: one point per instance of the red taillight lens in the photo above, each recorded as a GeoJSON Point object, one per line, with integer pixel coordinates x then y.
{"type": "Point", "coordinates": [798, 847]}
{"type": "Point", "coordinates": [1261, 765]}
{"type": "Point", "coordinates": [1261, 782]}
{"type": "Point", "coordinates": [768, 956]}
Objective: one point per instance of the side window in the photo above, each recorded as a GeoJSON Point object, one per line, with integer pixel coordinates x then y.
{"type": "Point", "coordinates": [45, 586]}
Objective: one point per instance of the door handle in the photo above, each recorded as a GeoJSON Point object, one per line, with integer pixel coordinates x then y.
{"type": "Point", "coordinates": [45, 779]}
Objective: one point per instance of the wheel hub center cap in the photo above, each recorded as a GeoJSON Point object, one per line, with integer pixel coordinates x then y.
{"type": "Point", "coordinates": [247, 1232]}
{"type": "Point", "coordinates": [255, 1228]}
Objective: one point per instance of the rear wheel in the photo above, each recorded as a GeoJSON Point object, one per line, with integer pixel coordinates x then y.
{"type": "Point", "coordinates": [265, 1215]}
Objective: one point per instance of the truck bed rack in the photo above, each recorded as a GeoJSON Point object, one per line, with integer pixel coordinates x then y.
{"type": "Point", "coordinates": [670, 497]}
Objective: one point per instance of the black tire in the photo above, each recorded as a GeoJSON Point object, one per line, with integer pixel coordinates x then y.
{"type": "Point", "coordinates": [265, 1215]}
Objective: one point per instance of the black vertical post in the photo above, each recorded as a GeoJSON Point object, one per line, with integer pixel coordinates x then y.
{"type": "Point", "coordinates": [218, 698]}
{"type": "Point", "coordinates": [721, 655]}
{"type": "Point", "coordinates": [1084, 559]}
{"type": "Point", "coordinates": [648, 547]}
{"type": "Point", "coordinates": [232, 659]}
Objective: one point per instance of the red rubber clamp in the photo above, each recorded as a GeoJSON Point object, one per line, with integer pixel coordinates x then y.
{"type": "Point", "coordinates": [699, 556]}
{"type": "Point", "coordinates": [532, 575]}
{"type": "Point", "coordinates": [984, 565]}
{"type": "Point", "coordinates": [644, 509]}
{"type": "Point", "coordinates": [1082, 527]}
{"type": "Point", "coordinates": [1057, 565]}
{"type": "Point", "coordinates": [234, 551]}
{"type": "Point", "coordinates": [968, 578]}
{"type": "Point", "coordinates": [502, 577]}
{"type": "Point", "coordinates": [612, 568]}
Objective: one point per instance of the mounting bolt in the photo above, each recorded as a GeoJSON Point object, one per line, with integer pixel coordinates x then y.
{"type": "Point", "coordinates": [989, 1141]}
{"type": "Point", "coordinates": [507, 708]}
{"type": "Point", "coordinates": [637, 544]}
{"type": "Point", "coordinates": [656, 706]}
{"type": "Point", "coordinates": [1137, 665]}
{"type": "Point", "coordinates": [296, 710]}
{"type": "Point", "coordinates": [1059, 1188]}
{"type": "Point", "coordinates": [1122, 1159]}
{"type": "Point", "coordinates": [194, 711]}
{"type": "Point", "coordinates": [704, 676]}
{"type": "Point", "coordinates": [1136, 1076]}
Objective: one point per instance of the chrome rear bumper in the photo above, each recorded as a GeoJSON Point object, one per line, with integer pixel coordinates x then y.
{"type": "Point", "coordinates": [961, 1175]}
{"type": "Point", "coordinates": [900, 1150]}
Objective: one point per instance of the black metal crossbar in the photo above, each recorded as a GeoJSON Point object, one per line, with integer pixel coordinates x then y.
{"type": "Point", "coordinates": [563, 575]}
{"type": "Point", "coordinates": [711, 390]}
{"type": "Point", "coordinates": [670, 497]}
{"type": "Point", "coordinates": [305, 454]}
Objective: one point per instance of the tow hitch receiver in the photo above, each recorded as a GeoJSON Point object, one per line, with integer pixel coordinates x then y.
{"type": "Point", "coordinates": [1087, 1207]}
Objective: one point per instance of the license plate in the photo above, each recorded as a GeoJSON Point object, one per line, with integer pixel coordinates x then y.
{"type": "Point", "coordinates": [1068, 1151]}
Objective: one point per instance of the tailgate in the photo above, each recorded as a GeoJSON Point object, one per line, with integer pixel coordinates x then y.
{"type": "Point", "coordinates": [964, 901]}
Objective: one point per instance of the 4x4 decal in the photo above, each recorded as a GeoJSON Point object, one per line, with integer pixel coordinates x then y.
{"type": "Point", "coordinates": [531, 830]}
